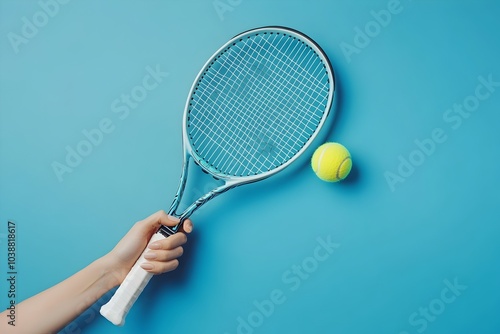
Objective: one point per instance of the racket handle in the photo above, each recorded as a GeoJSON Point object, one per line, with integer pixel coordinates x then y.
{"type": "Point", "coordinates": [125, 296]}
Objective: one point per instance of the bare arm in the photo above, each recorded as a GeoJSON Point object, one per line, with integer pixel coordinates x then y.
{"type": "Point", "coordinates": [52, 309]}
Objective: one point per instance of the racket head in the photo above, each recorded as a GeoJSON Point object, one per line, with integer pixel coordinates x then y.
{"type": "Point", "coordinates": [257, 104]}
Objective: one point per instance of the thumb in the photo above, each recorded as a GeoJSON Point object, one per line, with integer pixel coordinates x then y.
{"type": "Point", "coordinates": [157, 219]}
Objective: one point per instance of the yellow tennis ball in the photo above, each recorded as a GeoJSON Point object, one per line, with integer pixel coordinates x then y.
{"type": "Point", "coordinates": [331, 162]}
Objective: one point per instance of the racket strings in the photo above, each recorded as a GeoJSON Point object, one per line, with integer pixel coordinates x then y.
{"type": "Point", "coordinates": [223, 152]}
{"type": "Point", "coordinates": [291, 61]}
{"type": "Point", "coordinates": [235, 117]}
{"type": "Point", "coordinates": [258, 104]}
{"type": "Point", "coordinates": [253, 123]}
{"type": "Point", "coordinates": [220, 135]}
{"type": "Point", "coordinates": [265, 97]}
{"type": "Point", "coordinates": [278, 72]}
{"type": "Point", "coordinates": [272, 85]}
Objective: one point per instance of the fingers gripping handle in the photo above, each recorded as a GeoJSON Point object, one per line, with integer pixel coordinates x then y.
{"type": "Point", "coordinates": [117, 308]}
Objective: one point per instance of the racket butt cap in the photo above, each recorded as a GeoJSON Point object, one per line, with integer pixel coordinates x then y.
{"type": "Point", "coordinates": [114, 317]}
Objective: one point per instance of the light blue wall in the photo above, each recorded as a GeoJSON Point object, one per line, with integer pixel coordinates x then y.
{"type": "Point", "coordinates": [399, 244]}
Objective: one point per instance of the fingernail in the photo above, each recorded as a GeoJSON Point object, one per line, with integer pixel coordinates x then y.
{"type": "Point", "coordinates": [155, 245]}
{"type": "Point", "coordinates": [147, 266]}
{"type": "Point", "coordinates": [188, 228]}
{"type": "Point", "coordinates": [174, 219]}
{"type": "Point", "coordinates": [150, 255]}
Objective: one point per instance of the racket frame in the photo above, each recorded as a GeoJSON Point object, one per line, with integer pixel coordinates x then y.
{"type": "Point", "coordinates": [234, 181]}
{"type": "Point", "coordinates": [137, 279]}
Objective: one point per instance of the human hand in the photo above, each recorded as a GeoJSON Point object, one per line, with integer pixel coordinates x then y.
{"type": "Point", "coordinates": [161, 255]}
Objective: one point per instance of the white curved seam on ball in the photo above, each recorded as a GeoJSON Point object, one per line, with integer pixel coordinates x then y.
{"type": "Point", "coordinates": [340, 166]}
{"type": "Point", "coordinates": [321, 157]}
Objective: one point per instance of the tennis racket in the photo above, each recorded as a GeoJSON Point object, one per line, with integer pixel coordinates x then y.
{"type": "Point", "coordinates": [253, 109]}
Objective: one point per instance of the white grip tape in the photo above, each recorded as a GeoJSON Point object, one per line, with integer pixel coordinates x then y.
{"type": "Point", "coordinates": [125, 296]}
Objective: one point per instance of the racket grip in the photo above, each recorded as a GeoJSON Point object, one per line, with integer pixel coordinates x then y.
{"type": "Point", "coordinates": [125, 296]}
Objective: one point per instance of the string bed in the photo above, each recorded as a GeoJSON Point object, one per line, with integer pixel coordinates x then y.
{"type": "Point", "coordinates": [257, 104]}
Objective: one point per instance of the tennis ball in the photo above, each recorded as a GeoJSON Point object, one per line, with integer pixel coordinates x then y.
{"type": "Point", "coordinates": [331, 162]}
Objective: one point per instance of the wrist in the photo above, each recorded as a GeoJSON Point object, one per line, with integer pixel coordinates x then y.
{"type": "Point", "coordinates": [112, 270]}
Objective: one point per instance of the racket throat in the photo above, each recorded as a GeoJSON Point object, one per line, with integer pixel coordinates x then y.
{"type": "Point", "coordinates": [196, 198]}
{"type": "Point", "coordinates": [168, 231]}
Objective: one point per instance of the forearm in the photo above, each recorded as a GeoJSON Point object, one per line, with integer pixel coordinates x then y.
{"type": "Point", "coordinates": [52, 309]}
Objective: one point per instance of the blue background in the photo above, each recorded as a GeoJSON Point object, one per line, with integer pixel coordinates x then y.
{"type": "Point", "coordinates": [398, 245]}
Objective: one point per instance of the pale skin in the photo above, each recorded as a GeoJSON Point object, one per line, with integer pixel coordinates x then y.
{"type": "Point", "coordinates": [54, 308]}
